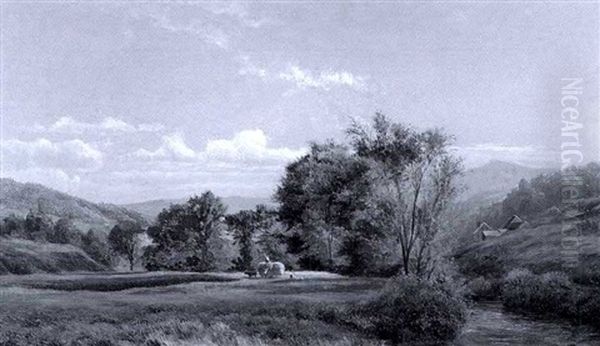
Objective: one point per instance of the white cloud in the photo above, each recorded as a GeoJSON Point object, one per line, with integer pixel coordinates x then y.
{"type": "Point", "coordinates": [249, 145]}
{"type": "Point", "coordinates": [43, 153]}
{"type": "Point", "coordinates": [248, 68]}
{"type": "Point", "coordinates": [480, 154]}
{"type": "Point", "coordinates": [326, 80]}
{"type": "Point", "coordinates": [108, 124]}
{"type": "Point", "coordinates": [173, 147]}
{"type": "Point", "coordinates": [209, 33]}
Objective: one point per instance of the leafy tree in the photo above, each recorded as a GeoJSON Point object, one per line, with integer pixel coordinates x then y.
{"type": "Point", "coordinates": [38, 226]}
{"type": "Point", "coordinates": [182, 233]}
{"type": "Point", "coordinates": [124, 240]}
{"type": "Point", "coordinates": [64, 233]}
{"type": "Point", "coordinates": [244, 225]}
{"type": "Point", "coordinates": [414, 179]}
{"type": "Point", "coordinates": [13, 225]}
{"type": "Point", "coordinates": [318, 195]}
{"type": "Point", "coordinates": [93, 244]}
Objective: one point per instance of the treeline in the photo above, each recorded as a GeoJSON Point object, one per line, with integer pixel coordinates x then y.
{"type": "Point", "coordinates": [547, 193]}
{"type": "Point", "coordinates": [373, 206]}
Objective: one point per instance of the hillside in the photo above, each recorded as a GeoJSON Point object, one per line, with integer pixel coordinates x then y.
{"type": "Point", "coordinates": [19, 256]}
{"type": "Point", "coordinates": [19, 198]}
{"type": "Point", "coordinates": [492, 181]}
{"type": "Point", "coordinates": [540, 249]}
{"type": "Point", "coordinates": [150, 209]}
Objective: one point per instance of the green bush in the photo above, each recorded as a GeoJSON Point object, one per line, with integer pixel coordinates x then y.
{"type": "Point", "coordinates": [551, 294]}
{"type": "Point", "coordinates": [411, 309]}
{"type": "Point", "coordinates": [485, 289]}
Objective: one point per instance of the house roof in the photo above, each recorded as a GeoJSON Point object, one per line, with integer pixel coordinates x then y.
{"type": "Point", "coordinates": [483, 227]}
{"type": "Point", "coordinates": [492, 233]}
{"type": "Point", "coordinates": [513, 223]}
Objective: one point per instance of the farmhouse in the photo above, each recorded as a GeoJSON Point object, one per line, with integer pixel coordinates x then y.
{"type": "Point", "coordinates": [485, 231]}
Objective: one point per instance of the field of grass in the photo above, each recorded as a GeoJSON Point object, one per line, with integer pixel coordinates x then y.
{"type": "Point", "coordinates": [221, 309]}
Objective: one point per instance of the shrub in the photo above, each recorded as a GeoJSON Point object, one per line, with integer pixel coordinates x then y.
{"type": "Point", "coordinates": [589, 276]}
{"type": "Point", "coordinates": [485, 289]}
{"type": "Point", "coordinates": [411, 309]}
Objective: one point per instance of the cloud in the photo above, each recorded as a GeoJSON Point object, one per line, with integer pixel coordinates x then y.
{"type": "Point", "coordinates": [248, 68]}
{"type": "Point", "coordinates": [108, 124]}
{"type": "Point", "coordinates": [246, 147]}
{"type": "Point", "coordinates": [326, 80]}
{"type": "Point", "coordinates": [238, 11]}
{"type": "Point", "coordinates": [480, 154]}
{"type": "Point", "coordinates": [249, 146]}
{"type": "Point", "coordinates": [210, 33]}
{"type": "Point", "coordinates": [173, 147]}
{"type": "Point", "coordinates": [43, 153]}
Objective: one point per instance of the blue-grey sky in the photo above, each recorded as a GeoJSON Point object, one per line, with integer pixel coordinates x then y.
{"type": "Point", "coordinates": [123, 102]}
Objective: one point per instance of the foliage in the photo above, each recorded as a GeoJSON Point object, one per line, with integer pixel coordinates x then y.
{"type": "Point", "coordinates": [96, 247]}
{"type": "Point", "coordinates": [411, 309]}
{"type": "Point", "coordinates": [551, 294]}
{"type": "Point", "coordinates": [182, 235]}
{"type": "Point", "coordinates": [244, 226]}
{"type": "Point", "coordinates": [482, 288]}
{"type": "Point", "coordinates": [37, 226]}
{"type": "Point", "coordinates": [64, 232]}
{"type": "Point", "coordinates": [124, 240]}
{"type": "Point", "coordinates": [414, 179]}
{"type": "Point", "coordinates": [475, 265]}
{"type": "Point", "coordinates": [319, 195]}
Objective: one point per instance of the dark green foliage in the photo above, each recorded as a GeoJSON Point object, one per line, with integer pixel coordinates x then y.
{"type": "Point", "coordinates": [244, 225]}
{"type": "Point", "coordinates": [473, 265]}
{"type": "Point", "coordinates": [38, 226]}
{"type": "Point", "coordinates": [124, 240]}
{"type": "Point", "coordinates": [64, 233]}
{"type": "Point", "coordinates": [485, 289]}
{"type": "Point", "coordinates": [551, 294]}
{"type": "Point", "coordinates": [414, 310]}
{"type": "Point", "coordinates": [96, 246]}
{"type": "Point", "coordinates": [182, 235]}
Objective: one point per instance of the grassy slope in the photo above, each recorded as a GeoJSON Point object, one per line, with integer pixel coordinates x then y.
{"type": "Point", "coordinates": [246, 312]}
{"type": "Point", "coordinates": [19, 256]}
{"type": "Point", "coordinates": [19, 198]}
{"type": "Point", "coordinates": [539, 249]}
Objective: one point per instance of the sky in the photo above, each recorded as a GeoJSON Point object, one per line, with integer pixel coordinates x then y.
{"type": "Point", "coordinates": [124, 102]}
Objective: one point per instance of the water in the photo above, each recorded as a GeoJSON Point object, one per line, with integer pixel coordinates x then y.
{"type": "Point", "coordinates": [489, 324]}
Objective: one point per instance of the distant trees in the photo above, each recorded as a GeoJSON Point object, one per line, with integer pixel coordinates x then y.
{"type": "Point", "coordinates": [96, 246]}
{"type": "Point", "coordinates": [124, 240]}
{"type": "Point", "coordinates": [64, 232]}
{"type": "Point", "coordinates": [182, 235]}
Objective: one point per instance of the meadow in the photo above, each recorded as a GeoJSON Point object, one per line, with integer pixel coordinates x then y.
{"type": "Point", "coordinates": [221, 311]}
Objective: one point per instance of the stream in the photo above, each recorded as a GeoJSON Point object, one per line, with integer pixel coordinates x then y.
{"type": "Point", "coordinates": [490, 324]}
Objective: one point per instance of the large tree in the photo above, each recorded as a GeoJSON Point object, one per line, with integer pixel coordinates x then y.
{"type": "Point", "coordinates": [124, 240]}
{"type": "Point", "coordinates": [182, 233]}
{"type": "Point", "coordinates": [414, 178]}
{"type": "Point", "coordinates": [319, 195]}
{"type": "Point", "coordinates": [245, 225]}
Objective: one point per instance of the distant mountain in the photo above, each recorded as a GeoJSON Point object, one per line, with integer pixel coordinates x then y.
{"type": "Point", "coordinates": [19, 198]}
{"type": "Point", "coordinates": [150, 209]}
{"type": "Point", "coordinates": [492, 181]}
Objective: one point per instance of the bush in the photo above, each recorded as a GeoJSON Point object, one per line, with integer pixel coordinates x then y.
{"type": "Point", "coordinates": [411, 309]}
{"type": "Point", "coordinates": [589, 276]}
{"type": "Point", "coordinates": [476, 265]}
{"type": "Point", "coordinates": [551, 294]}
{"type": "Point", "coordinates": [485, 289]}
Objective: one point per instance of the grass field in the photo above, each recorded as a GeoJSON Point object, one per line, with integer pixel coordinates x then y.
{"type": "Point", "coordinates": [220, 309]}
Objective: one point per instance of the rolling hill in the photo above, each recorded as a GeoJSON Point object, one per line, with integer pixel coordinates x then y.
{"type": "Point", "coordinates": [20, 256]}
{"type": "Point", "coordinates": [18, 198]}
